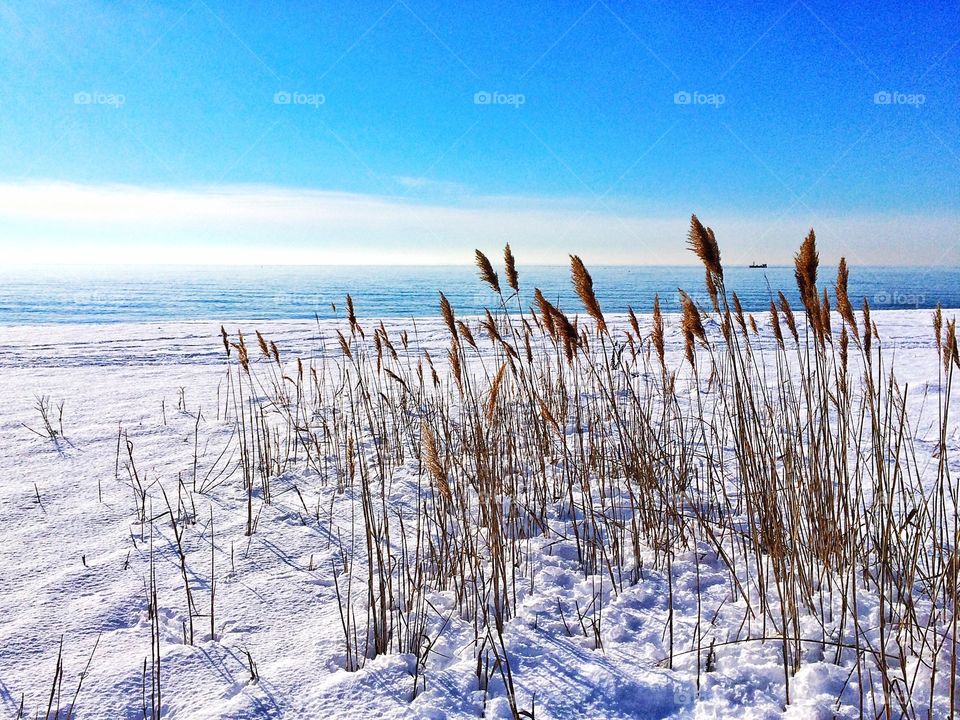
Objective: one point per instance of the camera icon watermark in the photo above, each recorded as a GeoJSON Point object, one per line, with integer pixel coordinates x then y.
{"type": "Point", "coordinates": [685, 97]}
{"type": "Point", "coordinates": [484, 97]}
{"type": "Point", "coordinates": [286, 97]}
{"type": "Point", "coordinates": [684, 695]}
{"type": "Point", "coordinates": [889, 97]}
{"type": "Point", "coordinates": [114, 100]}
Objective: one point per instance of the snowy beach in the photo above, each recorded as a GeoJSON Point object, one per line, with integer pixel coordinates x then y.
{"type": "Point", "coordinates": [75, 561]}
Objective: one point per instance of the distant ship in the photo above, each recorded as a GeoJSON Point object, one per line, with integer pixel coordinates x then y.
{"type": "Point", "coordinates": [758, 265]}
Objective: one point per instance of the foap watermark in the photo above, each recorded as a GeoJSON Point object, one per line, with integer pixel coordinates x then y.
{"type": "Point", "coordinates": [114, 100]}
{"type": "Point", "coordinates": [315, 301]}
{"type": "Point", "coordinates": [484, 97]}
{"type": "Point", "coordinates": [890, 97]}
{"type": "Point", "coordinates": [899, 298]}
{"type": "Point", "coordinates": [684, 97]}
{"type": "Point", "coordinates": [286, 97]}
{"type": "Point", "coordinates": [92, 298]}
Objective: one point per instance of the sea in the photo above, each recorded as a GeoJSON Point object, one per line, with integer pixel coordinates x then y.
{"type": "Point", "coordinates": [88, 294]}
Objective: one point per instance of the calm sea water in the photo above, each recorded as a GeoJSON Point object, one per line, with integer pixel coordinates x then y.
{"type": "Point", "coordinates": [125, 294]}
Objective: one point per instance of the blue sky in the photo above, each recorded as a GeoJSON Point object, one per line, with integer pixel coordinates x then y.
{"type": "Point", "coordinates": [412, 131]}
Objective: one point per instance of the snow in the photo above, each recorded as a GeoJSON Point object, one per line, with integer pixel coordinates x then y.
{"type": "Point", "coordinates": [77, 568]}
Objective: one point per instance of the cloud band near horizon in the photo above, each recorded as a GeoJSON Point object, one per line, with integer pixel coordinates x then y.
{"type": "Point", "coordinates": [52, 222]}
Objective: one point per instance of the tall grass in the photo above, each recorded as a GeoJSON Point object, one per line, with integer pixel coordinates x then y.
{"type": "Point", "coordinates": [779, 449]}
{"type": "Point", "coordinates": [783, 448]}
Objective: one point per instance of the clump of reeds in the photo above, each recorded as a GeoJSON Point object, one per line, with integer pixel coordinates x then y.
{"type": "Point", "coordinates": [779, 451]}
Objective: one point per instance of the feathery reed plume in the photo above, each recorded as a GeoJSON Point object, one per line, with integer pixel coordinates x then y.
{"type": "Point", "coordinates": [583, 284]}
{"type": "Point", "coordinates": [844, 347]}
{"type": "Point", "coordinates": [433, 370]}
{"type": "Point", "coordinates": [691, 318]}
{"type": "Point", "coordinates": [466, 334]}
{"type": "Point", "coordinates": [656, 335]}
{"type": "Point", "coordinates": [775, 323]}
{"type": "Point", "coordinates": [511, 350]}
{"type": "Point", "coordinates": [688, 347]}
{"type": "Point", "coordinates": [243, 356]}
{"type": "Point", "coordinates": [753, 324]}
{"type": "Point", "coordinates": [825, 316]}
{"type": "Point", "coordinates": [844, 307]}
{"type": "Point", "coordinates": [447, 313]}
{"type": "Point", "coordinates": [536, 319]}
{"type": "Point", "coordinates": [510, 268]}
{"type": "Point", "coordinates": [867, 327]}
{"type": "Point", "coordinates": [954, 352]}
{"type": "Point", "coordinates": [692, 326]}
{"type": "Point", "coordinates": [495, 392]}
{"type": "Point", "coordinates": [226, 340]}
{"type": "Point", "coordinates": [548, 417]}
{"type": "Point", "coordinates": [264, 348]}
{"type": "Point", "coordinates": [431, 460]}
{"type": "Point", "coordinates": [275, 351]}
{"type": "Point", "coordinates": [566, 332]}
{"type": "Point", "coordinates": [487, 274]}
{"type": "Point", "coordinates": [351, 315]}
{"type": "Point", "coordinates": [937, 326]}
{"type": "Point", "coordinates": [806, 262]}
{"type": "Point", "coordinates": [950, 352]}
{"type": "Point", "coordinates": [344, 345]}
{"type": "Point", "coordinates": [947, 346]}
{"type": "Point", "coordinates": [386, 340]}
{"type": "Point", "coordinates": [546, 312]}
{"type": "Point", "coordinates": [490, 325]}
{"type": "Point", "coordinates": [454, 355]}
{"type": "Point", "coordinates": [712, 291]}
{"type": "Point", "coordinates": [738, 314]}
{"type": "Point", "coordinates": [633, 322]}
{"type": "Point", "coordinates": [703, 243]}
{"type": "Point", "coordinates": [789, 316]}
{"type": "Point", "coordinates": [399, 380]}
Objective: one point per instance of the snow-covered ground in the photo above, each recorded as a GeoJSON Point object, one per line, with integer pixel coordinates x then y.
{"type": "Point", "coordinates": [74, 563]}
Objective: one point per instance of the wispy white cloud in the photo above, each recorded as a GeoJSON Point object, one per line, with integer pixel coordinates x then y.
{"type": "Point", "coordinates": [57, 222]}
{"type": "Point", "coordinates": [428, 184]}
